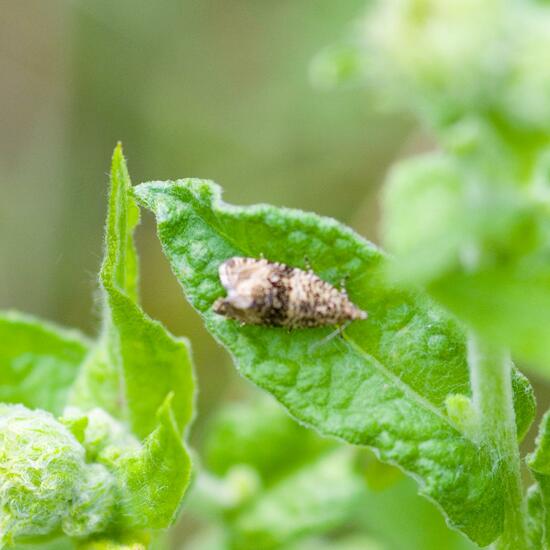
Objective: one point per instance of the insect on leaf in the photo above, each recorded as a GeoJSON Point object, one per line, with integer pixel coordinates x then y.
{"type": "Point", "coordinates": [384, 385]}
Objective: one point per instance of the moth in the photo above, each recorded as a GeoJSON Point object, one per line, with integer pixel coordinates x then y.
{"type": "Point", "coordinates": [260, 292]}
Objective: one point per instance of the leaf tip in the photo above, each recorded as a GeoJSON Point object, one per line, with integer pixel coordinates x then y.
{"type": "Point", "coordinates": [118, 154]}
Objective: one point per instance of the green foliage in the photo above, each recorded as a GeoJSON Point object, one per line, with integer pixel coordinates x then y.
{"type": "Point", "coordinates": [384, 385]}
{"type": "Point", "coordinates": [273, 502]}
{"type": "Point", "coordinates": [445, 58]}
{"type": "Point", "coordinates": [38, 361]}
{"type": "Point", "coordinates": [314, 499]}
{"type": "Point", "coordinates": [165, 465]}
{"type": "Point", "coordinates": [539, 497]}
{"type": "Point", "coordinates": [471, 223]}
{"type": "Point", "coordinates": [114, 466]}
{"type": "Point", "coordinates": [46, 484]}
{"type": "Point", "coordinates": [148, 370]}
{"type": "Point", "coordinates": [469, 230]}
{"type": "Point", "coordinates": [133, 348]}
{"type": "Point", "coordinates": [395, 514]}
{"type": "Point", "coordinates": [482, 250]}
{"type": "Point", "coordinates": [259, 434]}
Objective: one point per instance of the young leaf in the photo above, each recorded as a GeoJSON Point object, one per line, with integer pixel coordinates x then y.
{"type": "Point", "coordinates": [384, 385]}
{"type": "Point", "coordinates": [156, 478]}
{"type": "Point", "coordinates": [134, 351]}
{"type": "Point", "coordinates": [38, 361]}
{"type": "Point", "coordinates": [46, 485]}
{"type": "Point", "coordinates": [138, 369]}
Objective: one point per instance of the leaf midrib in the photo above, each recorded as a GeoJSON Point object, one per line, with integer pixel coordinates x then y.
{"type": "Point", "coordinates": [405, 388]}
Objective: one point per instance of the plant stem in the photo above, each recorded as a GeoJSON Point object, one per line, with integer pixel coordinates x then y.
{"type": "Point", "coordinates": [491, 380]}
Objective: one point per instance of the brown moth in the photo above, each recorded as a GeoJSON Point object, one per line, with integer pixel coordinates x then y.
{"type": "Point", "coordinates": [260, 292]}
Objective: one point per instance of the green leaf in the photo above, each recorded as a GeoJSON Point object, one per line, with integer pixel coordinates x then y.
{"type": "Point", "coordinates": [47, 486]}
{"type": "Point", "coordinates": [536, 524]}
{"type": "Point", "coordinates": [384, 385]}
{"type": "Point", "coordinates": [539, 494]}
{"type": "Point", "coordinates": [137, 361]}
{"type": "Point", "coordinates": [313, 500]}
{"type": "Point", "coordinates": [156, 478]}
{"type": "Point", "coordinates": [38, 361]}
{"type": "Point", "coordinates": [479, 247]}
{"type": "Point", "coordinates": [135, 366]}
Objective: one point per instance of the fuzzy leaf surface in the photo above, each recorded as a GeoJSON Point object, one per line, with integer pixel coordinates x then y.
{"type": "Point", "coordinates": [157, 477]}
{"type": "Point", "coordinates": [139, 372]}
{"type": "Point", "coordinates": [38, 361]}
{"type": "Point", "coordinates": [134, 352]}
{"type": "Point", "coordinates": [384, 385]}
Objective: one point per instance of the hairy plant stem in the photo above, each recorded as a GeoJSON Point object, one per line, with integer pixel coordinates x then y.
{"type": "Point", "coordinates": [491, 379]}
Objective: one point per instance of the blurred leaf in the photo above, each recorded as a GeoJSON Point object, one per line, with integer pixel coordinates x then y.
{"type": "Point", "coordinates": [339, 65]}
{"type": "Point", "coordinates": [346, 542]}
{"type": "Point", "coordinates": [38, 361]}
{"type": "Point", "coordinates": [445, 61]}
{"type": "Point", "coordinates": [314, 499]}
{"type": "Point", "coordinates": [384, 385]}
{"type": "Point", "coordinates": [110, 545]}
{"type": "Point", "coordinates": [401, 520]}
{"type": "Point", "coordinates": [379, 476]}
{"type": "Point", "coordinates": [536, 519]}
{"type": "Point", "coordinates": [539, 497]}
{"type": "Point", "coordinates": [116, 543]}
{"type": "Point", "coordinates": [480, 248]}
{"type": "Point", "coordinates": [259, 434]}
{"type": "Point", "coordinates": [62, 543]}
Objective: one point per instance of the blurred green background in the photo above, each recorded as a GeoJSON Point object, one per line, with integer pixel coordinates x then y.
{"type": "Point", "coordinates": [212, 89]}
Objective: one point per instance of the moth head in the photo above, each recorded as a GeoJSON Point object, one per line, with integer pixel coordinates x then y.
{"type": "Point", "coordinates": [238, 272]}
{"type": "Point", "coordinates": [234, 308]}
{"type": "Point", "coordinates": [221, 307]}
{"type": "Point", "coordinates": [246, 281]}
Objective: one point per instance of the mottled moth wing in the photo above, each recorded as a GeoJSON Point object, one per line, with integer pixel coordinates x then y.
{"type": "Point", "coordinates": [268, 293]}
